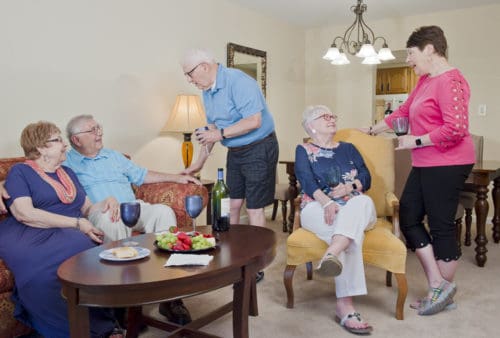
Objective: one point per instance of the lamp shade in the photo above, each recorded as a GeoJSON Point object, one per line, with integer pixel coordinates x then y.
{"type": "Point", "coordinates": [331, 54]}
{"type": "Point", "coordinates": [187, 114]}
{"type": "Point", "coordinates": [366, 50]}
{"type": "Point", "coordinates": [371, 60]}
{"type": "Point", "coordinates": [341, 60]}
{"type": "Point", "coordinates": [385, 54]}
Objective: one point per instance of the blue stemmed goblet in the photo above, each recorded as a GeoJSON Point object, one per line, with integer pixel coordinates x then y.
{"type": "Point", "coordinates": [194, 206]}
{"type": "Point", "coordinates": [333, 176]}
{"type": "Point", "coordinates": [130, 213]}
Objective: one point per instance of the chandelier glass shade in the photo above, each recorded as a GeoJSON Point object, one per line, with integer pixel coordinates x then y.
{"type": "Point", "coordinates": [358, 40]}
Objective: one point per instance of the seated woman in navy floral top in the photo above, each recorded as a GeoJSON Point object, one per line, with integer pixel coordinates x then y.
{"type": "Point", "coordinates": [333, 177]}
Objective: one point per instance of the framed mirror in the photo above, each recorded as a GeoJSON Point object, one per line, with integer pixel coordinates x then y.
{"type": "Point", "coordinates": [249, 60]}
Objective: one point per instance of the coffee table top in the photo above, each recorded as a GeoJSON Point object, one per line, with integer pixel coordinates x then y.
{"type": "Point", "coordinates": [235, 248]}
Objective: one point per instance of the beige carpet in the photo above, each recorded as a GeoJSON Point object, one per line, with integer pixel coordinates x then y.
{"type": "Point", "coordinates": [313, 315]}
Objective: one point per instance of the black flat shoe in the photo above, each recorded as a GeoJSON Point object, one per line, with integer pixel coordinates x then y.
{"type": "Point", "coordinates": [259, 276]}
{"type": "Point", "coordinates": [175, 311]}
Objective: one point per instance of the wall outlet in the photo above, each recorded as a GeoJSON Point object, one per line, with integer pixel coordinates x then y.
{"type": "Point", "coordinates": [481, 111]}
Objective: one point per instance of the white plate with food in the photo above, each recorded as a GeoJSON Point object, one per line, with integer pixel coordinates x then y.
{"type": "Point", "coordinates": [124, 253]}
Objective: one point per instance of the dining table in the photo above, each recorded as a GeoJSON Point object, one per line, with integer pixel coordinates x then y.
{"type": "Point", "coordinates": [482, 174]}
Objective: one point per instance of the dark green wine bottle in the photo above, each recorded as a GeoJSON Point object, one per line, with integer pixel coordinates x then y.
{"type": "Point", "coordinates": [220, 203]}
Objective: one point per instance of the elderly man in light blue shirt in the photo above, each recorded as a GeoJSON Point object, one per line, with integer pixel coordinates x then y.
{"type": "Point", "coordinates": [105, 172]}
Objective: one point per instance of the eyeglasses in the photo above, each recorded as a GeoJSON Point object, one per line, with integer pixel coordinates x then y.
{"type": "Point", "coordinates": [96, 130]}
{"type": "Point", "coordinates": [328, 117]}
{"type": "Point", "coordinates": [192, 70]}
{"type": "Point", "coordinates": [55, 140]}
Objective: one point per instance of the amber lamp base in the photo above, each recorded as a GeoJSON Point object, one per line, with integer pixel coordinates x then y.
{"type": "Point", "coordinates": [187, 150]}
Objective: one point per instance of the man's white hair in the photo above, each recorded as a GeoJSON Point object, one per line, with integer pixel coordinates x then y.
{"type": "Point", "coordinates": [193, 57]}
{"type": "Point", "coordinates": [75, 124]}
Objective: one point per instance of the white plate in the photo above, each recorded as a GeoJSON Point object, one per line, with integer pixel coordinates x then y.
{"type": "Point", "coordinates": [109, 256]}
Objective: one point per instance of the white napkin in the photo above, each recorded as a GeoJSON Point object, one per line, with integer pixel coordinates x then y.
{"type": "Point", "coordinates": [187, 259]}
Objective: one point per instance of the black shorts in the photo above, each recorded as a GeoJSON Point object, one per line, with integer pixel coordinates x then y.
{"type": "Point", "coordinates": [251, 172]}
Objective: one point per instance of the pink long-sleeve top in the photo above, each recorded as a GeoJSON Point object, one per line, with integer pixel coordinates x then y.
{"type": "Point", "coordinates": [439, 106]}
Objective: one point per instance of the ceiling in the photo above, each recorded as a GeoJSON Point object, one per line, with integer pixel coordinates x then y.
{"type": "Point", "coordinates": [314, 13]}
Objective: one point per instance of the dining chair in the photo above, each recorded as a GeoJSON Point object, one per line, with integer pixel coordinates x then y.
{"type": "Point", "coordinates": [382, 246]}
{"type": "Point", "coordinates": [468, 194]}
{"type": "Point", "coordinates": [282, 194]}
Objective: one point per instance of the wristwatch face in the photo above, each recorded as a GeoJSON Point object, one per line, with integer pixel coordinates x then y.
{"type": "Point", "coordinates": [418, 142]}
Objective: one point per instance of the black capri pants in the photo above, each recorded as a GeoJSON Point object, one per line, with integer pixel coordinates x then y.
{"type": "Point", "coordinates": [433, 191]}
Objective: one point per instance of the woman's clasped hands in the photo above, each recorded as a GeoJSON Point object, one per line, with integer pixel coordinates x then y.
{"type": "Point", "coordinates": [339, 191]}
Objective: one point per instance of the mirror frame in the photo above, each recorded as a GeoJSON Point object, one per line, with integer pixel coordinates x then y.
{"type": "Point", "coordinates": [234, 48]}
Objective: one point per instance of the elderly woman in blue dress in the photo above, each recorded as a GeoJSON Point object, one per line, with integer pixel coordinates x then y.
{"type": "Point", "coordinates": [47, 225]}
{"type": "Point", "coordinates": [333, 177]}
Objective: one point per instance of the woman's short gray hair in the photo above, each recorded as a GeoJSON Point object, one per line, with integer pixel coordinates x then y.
{"type": "Point", "coordinates": [311, 113]}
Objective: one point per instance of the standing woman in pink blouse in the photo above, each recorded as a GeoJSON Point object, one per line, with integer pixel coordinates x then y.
{"type": "Point", "coordinates": [442, 158]}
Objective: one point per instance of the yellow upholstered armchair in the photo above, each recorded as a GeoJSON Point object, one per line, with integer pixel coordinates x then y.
{"type": "Point", "coordinates": [382, 246]}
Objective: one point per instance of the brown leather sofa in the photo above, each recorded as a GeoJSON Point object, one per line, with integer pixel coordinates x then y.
{"type": "Point", "coordinates": [171, 194]}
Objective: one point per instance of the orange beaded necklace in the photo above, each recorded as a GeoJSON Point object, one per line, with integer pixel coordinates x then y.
{"type": "Point", "coordinates": [66, 190]}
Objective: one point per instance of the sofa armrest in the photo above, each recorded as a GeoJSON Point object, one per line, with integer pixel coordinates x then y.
{"type": "Point", "coordinates": [6, 278]}
{"type": "Point", "coordinates": [172, 194]}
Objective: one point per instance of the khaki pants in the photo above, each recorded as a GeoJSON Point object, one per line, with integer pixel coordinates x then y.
{"type": "Point", "coordinates": [154, 218]}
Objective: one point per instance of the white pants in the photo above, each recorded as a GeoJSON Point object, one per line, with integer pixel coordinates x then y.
{"type": "Point", "coordinates": [154, 218]}
{"type": "Point", "coordinates": [351, 221]}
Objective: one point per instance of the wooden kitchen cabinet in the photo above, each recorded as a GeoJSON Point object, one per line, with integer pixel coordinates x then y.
{"type": "Point", "coordinates": [398, 80]}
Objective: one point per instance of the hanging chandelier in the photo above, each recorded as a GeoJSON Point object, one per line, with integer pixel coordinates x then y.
{"type": "Point", "coordinates": [358, 40]}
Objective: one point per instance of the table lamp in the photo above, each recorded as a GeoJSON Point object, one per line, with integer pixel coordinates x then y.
{"type": "Point", "coordinates": [187, 114]}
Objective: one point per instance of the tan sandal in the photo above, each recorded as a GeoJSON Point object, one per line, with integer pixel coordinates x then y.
{"type": "Point", "coordinates": [355, 315]}
{"type": "Point", "coordinates": [329, 266]}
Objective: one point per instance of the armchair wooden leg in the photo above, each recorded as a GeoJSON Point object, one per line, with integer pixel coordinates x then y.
{"type": "Point", "coordinates": [288, 281]}
{"type": "Point", "coordinates": [275, 210]}
{"type": "Point", "coordinates": [283, 214]}
{"type": "Point", "coordinates": [388, 278]}
{"type": "Point", "coordinates": [402, 292]}
{"type": "Point", "coordinates": [309, 268]}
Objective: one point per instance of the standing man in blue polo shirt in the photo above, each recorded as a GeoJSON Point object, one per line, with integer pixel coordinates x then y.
{"type": "Point", "coordinates": [239, 118]}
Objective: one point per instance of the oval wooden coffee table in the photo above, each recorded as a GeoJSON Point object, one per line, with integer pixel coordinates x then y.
{"type": "Point", "coordinates": [88, 280]}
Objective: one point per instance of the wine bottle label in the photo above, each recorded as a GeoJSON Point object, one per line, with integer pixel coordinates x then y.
{"type": "Point", "coordinates": [224, 207]}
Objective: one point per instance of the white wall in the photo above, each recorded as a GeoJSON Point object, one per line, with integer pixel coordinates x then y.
{"type": "Point", "coordinates": [472, 35]}
{"type": "Point", "coordinates": [119, 60]}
